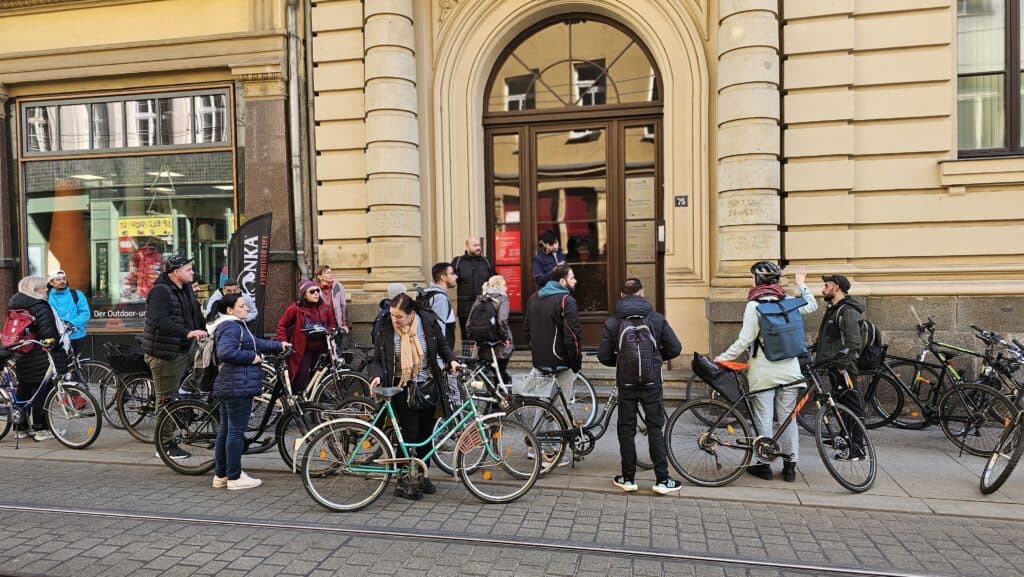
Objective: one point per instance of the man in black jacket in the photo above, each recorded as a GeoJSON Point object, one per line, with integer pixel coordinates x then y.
{"type": "Point", "coordinates": [173, 317]}
{"type": "Point", "coordinates": [473, 271]}
{"type": "Point", "coordinates": [634, 309]}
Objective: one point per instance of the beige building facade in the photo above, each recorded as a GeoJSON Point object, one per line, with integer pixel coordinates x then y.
{"type": "Point", "coordinates": [674, 140]}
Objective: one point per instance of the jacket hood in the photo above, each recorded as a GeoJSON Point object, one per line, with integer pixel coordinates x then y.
{"type": "Point", "coordinates": [632, 305]}
{"type": "Point", "coordinates": [855, 302]}
{"type": "Point", "coordinates": [23, 301]}
{"type": "Point", "coordinates": [552, 288]}
{"type": "Point", "coordinates": [221, 319]}
{"type": "Point", "coordinates": [164, 279]}
{"type": "Point", "coordinates": [496, 291]}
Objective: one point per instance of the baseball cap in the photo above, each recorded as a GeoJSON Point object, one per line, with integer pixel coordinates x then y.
{"type": "Point", "coordinates": [57, 274]}
{"type": "Point", "coordinates": [841, 281]}
{"type": "Point", "coordinates": [175, 262]}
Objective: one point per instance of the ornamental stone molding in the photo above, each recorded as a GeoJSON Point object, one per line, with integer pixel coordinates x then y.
{"type": "Point", "coordinates": [446, 8]}
{"type": "Point", "coordinates": [261, 83]}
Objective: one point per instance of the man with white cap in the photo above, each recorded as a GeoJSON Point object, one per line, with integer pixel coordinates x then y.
{"type": "Point", "coordinates": [71, 305]}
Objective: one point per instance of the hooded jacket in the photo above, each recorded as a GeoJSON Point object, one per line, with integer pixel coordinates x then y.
{"type": "Point", "coordinates": [382, 360]}
{"type": "Point", "coordinates": [31, 367]}
{"type": "Point", "coordinates": [236, 348]}
{"type": "Point", "coordinates": [171, 313]}
{"type": "Point", "coordinates": [553, 329]}
{"type": "Point", "coordinates": [71, 310]}
{"type": "Point", "coordinates": [840, 329]}
{"type": "Point", "coordinates": [669, 346]}
{"type": "Point", "coordinates": [543, 263]}
{"type": "Point", "coordinates": [473, 272]}
{"type": "Point", "coordinates": [295, 317]}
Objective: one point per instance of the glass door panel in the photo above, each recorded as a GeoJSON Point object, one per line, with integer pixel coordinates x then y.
{"type": "Point", "coordinates": [641, 206]}
{"type": "Point", "coordinates": [572, 201]}
{"type": "Point", "coordinates": [507, 211]}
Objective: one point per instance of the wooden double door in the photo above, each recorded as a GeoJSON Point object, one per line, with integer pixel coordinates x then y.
{"type": "Point", "coordinates": [597, 184]}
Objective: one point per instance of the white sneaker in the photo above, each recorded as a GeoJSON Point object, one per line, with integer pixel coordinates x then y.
{"type": "Point", "coordinates": [43, 435]}
{"type": "Point", "coordinates": [219, 482]}
{"type": "Point", "coordinates": [243, 482]}
{"type": "Point", "coordinates": [627, 485]}
{"type": "Point", "coordinates": [29, 435]}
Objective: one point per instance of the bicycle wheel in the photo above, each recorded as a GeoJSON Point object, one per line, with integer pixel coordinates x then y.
{"type": "Point", "coordinates": [338, 469]}
{"type": "Point", "coordinates": [191, 427]}
{"type": "Point", "coordinates": [972, 416]}
{"type": "Point", "coordinates": [708, 455]}
{"type": "Point", "coordinates": [99, 377]}
{"type": "Point", "coordinates": [294, 425]}
{"type": "Point", "coordinates": [697, 389]}
{"type": "Point", "coordinates": [257, 439]}
{"type": "Point", "coordinates": [919, 380]}
{"type": "Point", "coordinates": [1004, 459]}
{"type": "Point", "coordinates": [807, 417]}
{"type": "Point", "coordinates": [74, 415]}
{"type": "Point", "coordinates": [852, 464]}
{"type": "Point", "coordinates": [333, 391]}
{"type": "Point", "coordinates": [6, 410]}
{"type": "Point", "coordinates": [136, 408]}
{"type": "Point", "coordinates": [581, 402]}
{"type": "Point", "coordinates": [494, 464]}
{"type": "Point", "coordinates": [883, 399]}
{"type": "Point", "coordinates": [354, 359]}
{"type": "Point", "coordinates": [547, 425]}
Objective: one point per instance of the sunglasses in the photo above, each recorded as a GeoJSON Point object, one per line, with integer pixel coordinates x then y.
{"type": "Point", "coordinates": [313, 291]}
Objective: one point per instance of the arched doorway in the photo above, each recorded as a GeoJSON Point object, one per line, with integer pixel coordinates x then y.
{"type": "Point", "coordinates": [572, 122]}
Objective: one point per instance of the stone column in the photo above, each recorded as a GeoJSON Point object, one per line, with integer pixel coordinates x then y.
{"type": "Point", "coordinates": [267, 187]}
{"type": "Point", "coordinates": [7, 248]}
{"type": "Point", "coordinates": [748, 135]}
{"type": "Point", "coordinates": [392, 144]}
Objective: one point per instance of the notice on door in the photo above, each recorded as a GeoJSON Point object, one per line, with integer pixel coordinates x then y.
{"type": "Point", "coordinates": [640, 241]}
{"type": "Point", "coordinates": [506, 247]}
{"type": "Point", "coordinates": [514, 281]}
{"type": "Point", "coordinates": [640, 197]}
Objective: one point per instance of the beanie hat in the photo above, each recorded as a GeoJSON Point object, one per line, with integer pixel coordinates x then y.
{"type": "Point", "coordinates": [304, 285]}
{"type": "Point", "coordinates": [395, 289]}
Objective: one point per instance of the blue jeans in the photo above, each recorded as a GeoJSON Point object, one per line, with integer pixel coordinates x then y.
{"type": "Point", "coordinates": [766, 405]}
{"type": "Point", "coordinates": [227, 451]}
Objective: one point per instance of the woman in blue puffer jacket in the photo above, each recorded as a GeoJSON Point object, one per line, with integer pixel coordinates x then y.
{"type": "Point", "coordinates": [239, 354]}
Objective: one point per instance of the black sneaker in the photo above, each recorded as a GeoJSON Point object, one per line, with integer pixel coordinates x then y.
{"type": "Point", "coordinates": [177, 453]}
{"type": "Point", "coordinates": [789, 471]}
{"type": "Point", "coordinates": [761, 471]}
{"type": "Point", "coordinates": [406, 491]}
{"type": "Point", "coordinates": [427, 487]}
{"type": "Point", "coordinates": [667, 487]}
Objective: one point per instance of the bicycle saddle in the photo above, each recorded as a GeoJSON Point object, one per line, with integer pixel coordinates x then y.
{"type": "Point", "coordinates": [387, 392]}
{"type": "Point", "coordinates": [361, 347]}
{"type": "Point", "coordinates": [732, 365]}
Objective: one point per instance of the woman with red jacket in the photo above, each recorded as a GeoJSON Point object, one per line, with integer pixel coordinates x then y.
{"type": "Point", "coordinates": [310, 310]}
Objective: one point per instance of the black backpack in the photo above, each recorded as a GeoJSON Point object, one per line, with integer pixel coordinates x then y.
{"type": "Point", "coordinates": [638, 360]}
{"type": "Point", "coordinates": [482, 325]}
{"type": "Point", "coordinates": [872, 351]}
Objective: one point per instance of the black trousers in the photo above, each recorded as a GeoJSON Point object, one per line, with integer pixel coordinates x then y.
{"type": "Point", "coordinates": [851, 398]}
{"type": "Point", "coordinates": [654, 418]}
{"type": "Point", "coordinates": [416, 424]}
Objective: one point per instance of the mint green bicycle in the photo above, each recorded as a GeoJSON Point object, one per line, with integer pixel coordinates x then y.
{"type": "Point", "coordinates": [347, 462]}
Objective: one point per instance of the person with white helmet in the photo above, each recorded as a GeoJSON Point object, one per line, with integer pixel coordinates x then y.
{"type": "Point", "coordinates": [764, 374]}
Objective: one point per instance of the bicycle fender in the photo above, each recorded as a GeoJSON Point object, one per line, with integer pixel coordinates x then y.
{"type": "Point", "coordinates": [302, 441]}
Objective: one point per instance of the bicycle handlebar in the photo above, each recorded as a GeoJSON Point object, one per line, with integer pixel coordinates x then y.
{"type": "Point", "coordinates": [45, 343]}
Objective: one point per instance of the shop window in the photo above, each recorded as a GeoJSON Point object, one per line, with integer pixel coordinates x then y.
{"type": "Point", "coordinates": [110, 220]}
{"type": "Point", "coordinates": [989, 116]}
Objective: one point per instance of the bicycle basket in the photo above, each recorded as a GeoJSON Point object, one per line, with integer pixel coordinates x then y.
{"type": "Point", "coordinates": [127, 359]}
{"type": "Point", "coordinates": [537, 386]}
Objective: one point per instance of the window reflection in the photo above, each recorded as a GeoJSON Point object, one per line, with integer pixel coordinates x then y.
{"type": "Point", "coordinates": [41, 128]}
{"type": "Point", "coordinates": [141, 122]}
{"type": "Point", "coordinates": [74, 127]}
{"type": "Point", "coordinates": [573, 62]}
{"type": "Point", "coordinates": [211, 118]}
{"type": "Point", "coordinates": [108, 125]}
{"type": "Point", "coordinates": [175, 121]}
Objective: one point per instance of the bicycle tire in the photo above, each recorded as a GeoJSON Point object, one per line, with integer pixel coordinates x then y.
{"type": "Point", "coordinates": [327, 462]}
{"type": "Point", "coordinates": [685, 430]}
{"type": "Point", "coordinates": [192, 426]}
{"type": "Point", "coordinates": [256, 427]}
{"type": "Point", "coordinates": [294, 425]}
{"type": "Point", "coordinates": [76, 410]}
{"type": "Point", "coordinates": [883, 399]}
{"type": "Point", "coordinates": [6, 406]}
{"type": "Point", "coordinates": [548, 426]}
{"type": "Point", "coordinates": [918, 379]}
{"type": "Point", "coordinates": [1006, 454]}
{"type": "Point", "coordinates": [581, 402]}
{"type": "Point", "coordinates": [838, 423]}
{"type": "Point", "coordinates": [694, 393]}
{"type": "Point", "coordinates": [494, 463]}
{"type": "Point", "coordinates": [354, 359]}
{"type": "Point", "coordinates": [100, 377]}
{"type": "Point", "coordinates": [135, 407]}
{"type": "Point", "coordinates": [349, 384]}
{"type": "Point", "coordinates": [981, 412]}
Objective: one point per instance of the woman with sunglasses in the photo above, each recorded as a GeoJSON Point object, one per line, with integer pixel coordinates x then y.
{"type": "Point", "coordinates": [307, 312]}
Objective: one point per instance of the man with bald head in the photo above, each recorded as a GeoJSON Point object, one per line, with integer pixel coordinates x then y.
{"type": "Point", "coordinates": [473, 271]}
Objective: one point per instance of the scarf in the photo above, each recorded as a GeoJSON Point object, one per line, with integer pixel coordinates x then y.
{"type": "Point", "coordinates": [412, 356]}
{"type": "Point", "coordinates": [765, 290]}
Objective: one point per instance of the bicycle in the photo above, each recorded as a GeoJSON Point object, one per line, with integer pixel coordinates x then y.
{"type": "Point", "coordinates": [73, 415]}
{"type": "Point", "coordinates": [347, 463]}
{"type": "Point", "coordinates": [721, 451]}
{"type": "Point", "coordinates": [191, 424]}
{"type": "Point", "coordinates": [970, 413]}
{"type": "Point", "coordinates": [1008, 450]}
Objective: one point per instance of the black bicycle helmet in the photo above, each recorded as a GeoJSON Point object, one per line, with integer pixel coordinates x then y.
{"type": "Point", "coordinates": [766, 272]}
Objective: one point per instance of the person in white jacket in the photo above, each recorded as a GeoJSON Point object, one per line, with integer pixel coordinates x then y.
{"type": "Point", "coordinates": [763, 374]}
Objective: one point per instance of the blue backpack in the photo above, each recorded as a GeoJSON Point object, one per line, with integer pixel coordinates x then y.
{"type": "Point", "coordinates": [782, 329]}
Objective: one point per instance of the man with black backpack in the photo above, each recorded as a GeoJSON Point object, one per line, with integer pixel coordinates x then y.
{"type": "Point", "coordinates": [435, 298]}
{"type": "Point", "coordinates": [840, 341]}
{"type": "Point", "coordinates": [472, 269]}
{"type": "Point", "coordinates": [636, 340]}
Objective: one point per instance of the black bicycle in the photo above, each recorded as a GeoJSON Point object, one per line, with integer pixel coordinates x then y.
{"type": "Point", "coordinates": [1010, 447]}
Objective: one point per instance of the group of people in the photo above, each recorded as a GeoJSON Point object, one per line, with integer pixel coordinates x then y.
{"type": "Point", "coordinates": [413, 341]}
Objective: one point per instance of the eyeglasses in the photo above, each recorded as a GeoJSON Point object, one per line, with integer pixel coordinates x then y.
{"type": "Point", "coordinates": [313, 292]}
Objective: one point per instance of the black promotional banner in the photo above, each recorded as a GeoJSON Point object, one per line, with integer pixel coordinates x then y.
{"type": "Point", "coordinates": [248, 262]}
